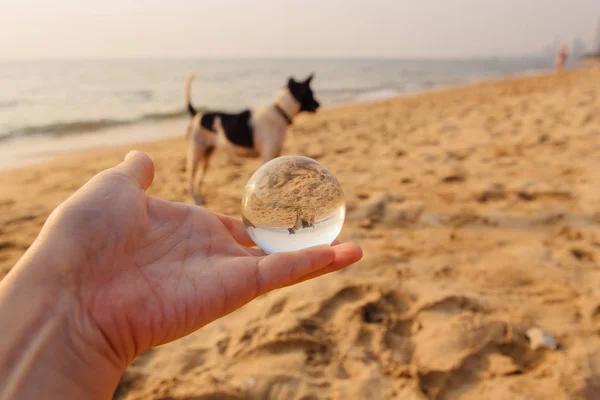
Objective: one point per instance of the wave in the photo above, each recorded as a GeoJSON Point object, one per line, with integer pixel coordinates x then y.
{"type": "Point", "coordinates": [357, 90]}
{"type": "Point", "coordinates": [143, 94]}
{"type": "Point", "coordinates": [140, 95]}
{"type": "Point", "coordinates": [166, 115]}
{"type": "Point", "coordinates": [375, 95]}
{"type": "Point", "coordinates": [380, 92]}
{"type": "Point", "coordinates": [88, 126]}
{"type": "Point", "coordinates": [9, 103]}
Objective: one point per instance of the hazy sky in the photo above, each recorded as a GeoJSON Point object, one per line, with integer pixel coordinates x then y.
{"type": "Point", "coordinates": [297, 28]}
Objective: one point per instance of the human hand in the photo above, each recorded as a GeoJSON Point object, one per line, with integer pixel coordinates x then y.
{"type": "Point", "coordinates": [133, 272]}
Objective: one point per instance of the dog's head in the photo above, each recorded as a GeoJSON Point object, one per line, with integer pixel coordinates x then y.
{"type": "Point", "coordinates": [303, 94]}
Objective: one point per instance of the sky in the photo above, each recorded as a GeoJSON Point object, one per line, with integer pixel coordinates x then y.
{"type": "Point", "coordinates": [83, 29]}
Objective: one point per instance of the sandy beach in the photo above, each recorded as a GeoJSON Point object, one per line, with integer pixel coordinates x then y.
{"type": "Point", "coordinates": [478, 209]}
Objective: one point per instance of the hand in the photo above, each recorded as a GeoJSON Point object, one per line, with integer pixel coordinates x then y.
{"type": "Point", "coordinates": [137, 272]}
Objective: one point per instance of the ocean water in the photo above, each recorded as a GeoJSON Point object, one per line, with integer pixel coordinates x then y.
{"type": "Point", "coordinates": [43, 103]}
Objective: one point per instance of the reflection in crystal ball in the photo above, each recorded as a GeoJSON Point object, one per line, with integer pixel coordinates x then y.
{"type": "Point", "coordinates": [291, 203]}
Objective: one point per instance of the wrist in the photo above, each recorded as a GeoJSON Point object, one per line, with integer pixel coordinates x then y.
{"type": "Point", "coordinates": [48, 345]}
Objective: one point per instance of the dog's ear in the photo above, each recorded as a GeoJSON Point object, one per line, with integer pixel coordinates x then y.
{"type": "Point", "coordinates": [310, 78]}
{"type": "Point", "coordinates": [291, 82]}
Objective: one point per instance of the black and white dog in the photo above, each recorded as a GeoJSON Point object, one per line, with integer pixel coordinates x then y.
{"type": "Point", "coordinates": [250, 133]}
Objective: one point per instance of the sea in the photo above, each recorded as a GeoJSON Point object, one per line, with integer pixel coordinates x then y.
{"type": "Point", "coordinates": [53, 107]}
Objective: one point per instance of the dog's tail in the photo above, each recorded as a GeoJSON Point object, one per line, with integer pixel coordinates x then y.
{"type": "Point", "coordinates": [188, 94]}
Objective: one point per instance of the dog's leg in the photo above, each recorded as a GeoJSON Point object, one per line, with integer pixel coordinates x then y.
{"type": "Point", "coordinates": [206, 156]}
{"type": "Point", "coordinates": [196, 151]}
{"type": "Point", "coordinates": [270, 153]}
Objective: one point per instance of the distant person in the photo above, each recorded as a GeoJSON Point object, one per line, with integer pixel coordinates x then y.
{"type": "Point", "coordinates": [115, 272]}
{"type": "Point", "coordinates": [561, 57]}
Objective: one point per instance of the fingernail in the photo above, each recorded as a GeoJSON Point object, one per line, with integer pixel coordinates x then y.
{"type": "Point", "coordinates": [130, 154]}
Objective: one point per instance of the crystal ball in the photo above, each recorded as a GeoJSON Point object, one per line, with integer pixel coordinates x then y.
{"type": "Point", "coordinates": [291, 203]}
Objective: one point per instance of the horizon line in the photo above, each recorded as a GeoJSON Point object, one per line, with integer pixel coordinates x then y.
{"type": "Point", "coordinates": [251, 58]}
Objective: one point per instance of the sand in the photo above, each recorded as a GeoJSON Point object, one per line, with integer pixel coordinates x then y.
{"type": "Point", "coordinates": [478, 209]}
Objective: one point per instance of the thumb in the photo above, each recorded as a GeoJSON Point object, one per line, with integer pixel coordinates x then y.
{"type": "Point", "coordinates": [139, 167]}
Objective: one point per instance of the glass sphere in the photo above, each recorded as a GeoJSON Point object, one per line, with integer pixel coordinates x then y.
{"type": "Point", "coordinates": [291, 203]}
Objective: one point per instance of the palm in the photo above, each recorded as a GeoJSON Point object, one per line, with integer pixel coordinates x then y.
{"type": "Point", "coordinates": [155, 271]}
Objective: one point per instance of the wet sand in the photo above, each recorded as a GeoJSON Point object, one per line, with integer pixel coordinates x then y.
{"type": "Point", "coordinates": [478, 209]}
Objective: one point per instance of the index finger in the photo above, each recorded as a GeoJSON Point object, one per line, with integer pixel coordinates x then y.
{"type": "Point", "coordinates": [284, 269]}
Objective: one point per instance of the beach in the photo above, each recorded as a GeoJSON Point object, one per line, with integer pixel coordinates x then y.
{"type": "Point", "coordinates": [478, 210]}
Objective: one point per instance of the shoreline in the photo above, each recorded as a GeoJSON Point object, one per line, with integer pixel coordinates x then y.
{"type": "Point", "coordinates": [27, 151]}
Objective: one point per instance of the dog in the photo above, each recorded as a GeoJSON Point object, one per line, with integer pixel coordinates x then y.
{"type": "Point", "coordinates": [250, 133]}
